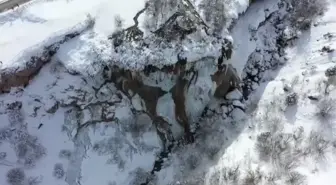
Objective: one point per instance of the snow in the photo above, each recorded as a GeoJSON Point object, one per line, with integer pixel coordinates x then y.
{"type": "Point", "coordinates": [243, 45]}
{"type": "Point", "coordinates": [37, 21]}
{"type": "Point", "coordinates": [127, 149]}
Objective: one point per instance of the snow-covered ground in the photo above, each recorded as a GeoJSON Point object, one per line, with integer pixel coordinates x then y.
{"type": "Point", "coordinates": [45, 131]}
{"type": "Point", "coordinates": [36, 21]}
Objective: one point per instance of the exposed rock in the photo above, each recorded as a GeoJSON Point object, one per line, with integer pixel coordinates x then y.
{"type": "Point", "coordinates": [164, 131]}
{"type": "Point", "coordinates": [314, 98]}
{"type": "Point", "coordinates": [225, 79]}
{"type": "Point", "coordinates": [178, 94]}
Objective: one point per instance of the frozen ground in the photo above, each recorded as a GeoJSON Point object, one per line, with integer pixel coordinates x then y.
{"type": "Point", "coordinates": [119, 148]}
{"type": "Point", "coordinates": [38, 20]}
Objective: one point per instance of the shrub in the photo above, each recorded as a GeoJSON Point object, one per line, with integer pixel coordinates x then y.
{"type": "Point", "coordinates": [3, 155]}
{"type": "Point", "coordinates": [291, 99]}
{"type": "Point", "coordinates": [139, 176]}
{"type": "Point", "coordinates": [276, 148]}
{"type": "Point", "coordinates": [330, 72]}
{"type": "Point", "coordinates": [253, 177]}
{"type": "Point", "coordinates": [192, 161]}
{"type": "Point", "coordinates": [295, 178]}
{"type": "Point", "coordinates": [58, 171]}
{"type": "Point", "coordinates": [272, 178]}
{"type": "Point", "coordinates": [305, 11]}
{"type": "Point", "coordinates": [215, 178]}
{"type": "Point", "coordinates": [66, 154]}
{"type": "Point", "coordinates": [118, 22]}
{"type": "Point", "coordinates": [317, 146]}
{"type": "Point", "coordinates": [16, 176]}
{"type": "Point", "coordinates": [325, 110]}
{"type": "Point", "coordinates": [21, 149]}
{"type": "Point", "coordinates": [274, 125]}
{"type": "Point", "coordinates": [5, 133]}
{"type": "Point", "coordinates": [34, 180]}
{"type": "Point", "coordinates": [263, 145]}
{"type": "Point", "coordinates": [231, 174]}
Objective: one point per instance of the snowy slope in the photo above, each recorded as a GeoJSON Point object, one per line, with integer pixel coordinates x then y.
{"type": "Point", "coordinates": [38, 20]}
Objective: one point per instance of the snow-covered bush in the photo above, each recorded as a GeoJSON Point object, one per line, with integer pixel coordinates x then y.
{"type": "Point", "coordinates": [90, 21]}
{"type": "Point", "coordinates": [295, 178]}
{"type": "Point", "coordinates": [21, 149]}
{"type": "Point", "coordinates": [28, 148]}
{"type": "Point", "coordinates": [263, 145]}
{"type": "Point", "coordinates": [58, 171]}
{"type": "Point", "coordinates": [5, 133]}
{"type": "Point", "coordinates": [253, 177]}
{"type": "Point", "coordinates": [231, 174]}
{"type": "Point", "coordinates": [15, 117]}
{"type": "Point", "coordinates": [291, 99]}
{"type": "Point", "coordinates": [298, 135]}
{"type": "Point", "coordinates": [16, 176]}
{"type": "Point", "coordinates": [34, 180]}
{"type": "Point", "coordinates": [305, 11]}
{"type": "Point", "coordinates": [118, 22]}
{"type": "Point", "coordinates": [274, 125]}
{"type": "Point", "coordinates": [317, 146]}
{"type": "Point", "coordinates": [193, 161]}
{"type": "Point", "coordinates": [331, 71]}
{"type": "Point", "coordinates": [325, 109]}
{"type": "Point", "coordinates": [66, 154]}
{"type": "Point", "coordinates": [214, 14]}
{"type": "Point", "coordinates": [272, 178]}
{"type": "Point", "coordinates": [139, 176]}
{"type": "Point", "coordinates": [276, 148]}
{"type": "Point", "coordinates": [3, 155]}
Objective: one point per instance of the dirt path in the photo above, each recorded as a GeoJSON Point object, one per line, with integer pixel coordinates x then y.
{"type": "Point", "coordinates": [6, 5]}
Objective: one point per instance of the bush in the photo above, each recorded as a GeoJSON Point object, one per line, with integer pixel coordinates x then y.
{"type": "Point", "coordinates": [5, 133]}
{"type": "Point", "coordinates": [58, 171]}
{"type": "Point", "coordinates": [253, 177]}
{"type": "Point", "coordinates": [274, 125]}
{"type": "Point", "coordinates": [34, 180]}
{"type": "Point", "coordinates": [139, 176]}
{"type": "Point", "coordinates": [231, 174]}
{"type": "Point", "coordinates": [21, 149]}
{"type": "Point", "coordinates": [291, 99]}
{"type": "Point", "coordinates": [66, 154]}
{"type": "Point", "coordinates": [272, 178]}
{"type": "Point", "coordinates": [16, 176]}
{"type": "Point", "coordinates": [3, 155]}
{"type": "Point", "coordinates": [295, 178]}
{"type": "Point", "coordinates": [330, 72]}
{"type": "Point", "coordinates": [317, 146]}
{"type": "Point", "coordinates": [305, 11]}
{"type": "Point", "coordinates": [193, 161]}
{"type": "Point", "coordinates": [276, 148]}
{"type": "Point", "coordinates": [263, 146]}
{"type": "Point", "coordinates": [325, 110]}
